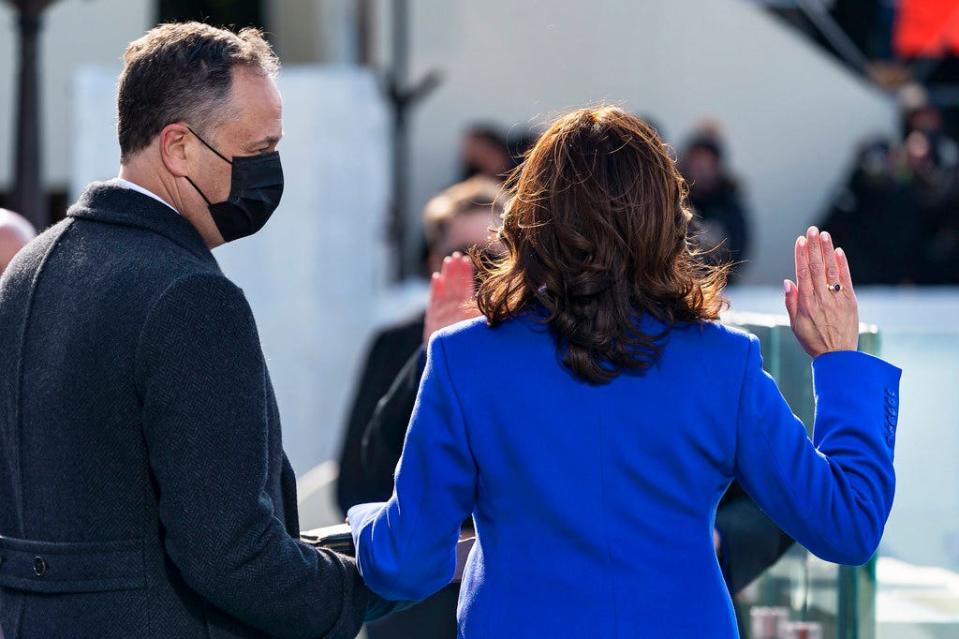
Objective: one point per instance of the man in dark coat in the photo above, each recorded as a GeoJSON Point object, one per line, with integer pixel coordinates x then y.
{"type": "Point", "coordinates": [144, 488]}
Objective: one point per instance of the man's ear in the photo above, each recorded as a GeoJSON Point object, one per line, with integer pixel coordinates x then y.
{"type": "Point", "coordinates": [174, 149]}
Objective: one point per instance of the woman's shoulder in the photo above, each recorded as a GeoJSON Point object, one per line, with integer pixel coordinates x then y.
{"type": "Point", "coordinates": [714, 336]}
{"type": "Point", "coordinates": [465, 330]}
{"type": "Point", "coordinates": [477, 335]}
{"type": "Point", "coordinates": [477, 330]}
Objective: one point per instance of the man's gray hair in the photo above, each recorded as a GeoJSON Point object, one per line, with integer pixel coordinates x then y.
{"type": "Point", "coordinates": [182, 72]}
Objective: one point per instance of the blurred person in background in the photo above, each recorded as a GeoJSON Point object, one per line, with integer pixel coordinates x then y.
{"type": "Point", "coordinates": [933, 162]}
{"type": "Point", "coordinates": [721, 224]}
{"type": "Point", "coordinates": [454, 221]}
{"type": "Point", "coordinates": [935, 185]}
{"type": "Point", "coordinates": [898, 212]}
{"type": "Point", "coordinates": [877, 217]}
{"type": "Point", "coordinates": [918, 113]}
{"type": "Point", "coordinates": [486, 150]}
{"type": "Point", "coordinates": [15, 233]}
{"type": "Point", "coordinates": [519, 142]}
{"type": "Point", "coordinates": [593, 417]}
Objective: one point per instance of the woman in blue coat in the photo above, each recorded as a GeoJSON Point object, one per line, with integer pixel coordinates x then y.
{"type": "Point", "coordinates": [591, 420]}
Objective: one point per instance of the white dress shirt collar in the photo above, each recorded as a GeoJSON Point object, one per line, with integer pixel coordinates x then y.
{"type": "Point", "coordinates": [127, 184]}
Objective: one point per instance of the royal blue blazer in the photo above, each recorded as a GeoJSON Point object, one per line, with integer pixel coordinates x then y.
{"type": "Point", "coordinates": [594, 504]}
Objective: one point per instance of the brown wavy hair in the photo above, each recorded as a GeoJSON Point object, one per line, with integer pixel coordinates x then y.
{"type": "Point", "coordinates": [596, 234]}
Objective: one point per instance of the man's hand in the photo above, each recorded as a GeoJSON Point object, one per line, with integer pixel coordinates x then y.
{"type": "Point", "coordinates": [451, 295]}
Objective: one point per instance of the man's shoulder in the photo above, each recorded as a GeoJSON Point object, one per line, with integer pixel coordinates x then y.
{"type": "Point", "coordinates": [140, 259]}
{"type": "Point", "coordinates": [202, 290]}
{"type": "Point", "coordinates": [198, 304]}
{"type": "Point", "coordinates": [134, 242]}
{"type": "Point", "coordinates": [134, 230]}
{"type": "Point", "coordinates": [147, 269]}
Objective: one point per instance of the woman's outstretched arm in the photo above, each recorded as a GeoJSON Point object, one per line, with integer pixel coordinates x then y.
{"type": "Point", "coordinates": [832, 494]}
{"type": "Point", "coordinates": [406, 548]}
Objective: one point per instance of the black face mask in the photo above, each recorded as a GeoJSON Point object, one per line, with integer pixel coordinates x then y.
{"type": "Point", "coordinates": [256, 187]}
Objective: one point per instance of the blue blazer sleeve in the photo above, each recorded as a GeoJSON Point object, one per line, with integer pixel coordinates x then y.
{"type": "Point", "coordinates": [832, 494]}
{"type": "Point", "coordinates": [406, 548]}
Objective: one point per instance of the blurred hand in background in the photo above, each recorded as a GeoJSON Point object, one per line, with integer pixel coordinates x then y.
{"type": "Point", "coordinates": [451, 295]}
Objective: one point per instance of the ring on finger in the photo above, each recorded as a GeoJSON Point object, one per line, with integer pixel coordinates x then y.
{"type": "Point", "coordinates": [835, 288]}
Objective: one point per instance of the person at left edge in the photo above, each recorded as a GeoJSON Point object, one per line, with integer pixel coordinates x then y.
{"type": "Point", "coordinates": [15, 233]}
{"type": "Point", "coordinates": [144, 485]}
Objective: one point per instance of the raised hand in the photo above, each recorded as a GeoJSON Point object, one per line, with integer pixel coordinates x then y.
{"type": "Point", "coordinates": [451, 295]}
{"type": "Point", "coordinates": [822, 304]}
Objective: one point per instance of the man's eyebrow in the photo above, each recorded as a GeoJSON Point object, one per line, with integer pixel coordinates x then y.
{"type": "Point", "coordinates": [270, 140]}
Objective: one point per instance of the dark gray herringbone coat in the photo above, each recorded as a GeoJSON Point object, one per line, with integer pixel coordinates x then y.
{"type": "Point", "coordinates": [144, 492]}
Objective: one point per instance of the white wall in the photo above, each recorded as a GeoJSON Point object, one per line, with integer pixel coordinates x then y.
{"type": "Point", "coordinates": [75, 33]}
{"type": "Point", "coordinates": [315, 274]}
{"type": "Point", "coordinates": [306, 31]}
{"type": "Point", "coordinates": [791, 114]}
